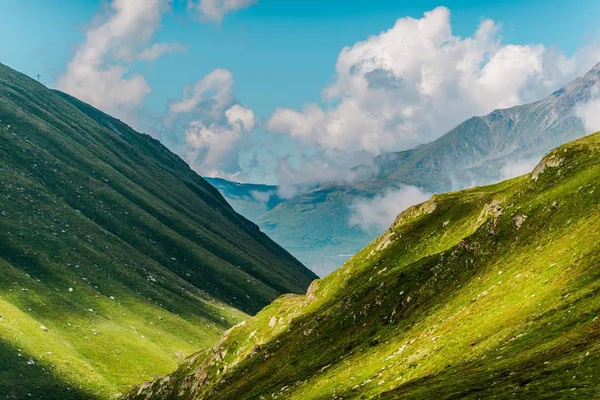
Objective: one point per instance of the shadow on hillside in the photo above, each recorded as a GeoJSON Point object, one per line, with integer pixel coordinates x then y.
{"type": "Point", "coordinates": [23, 377]}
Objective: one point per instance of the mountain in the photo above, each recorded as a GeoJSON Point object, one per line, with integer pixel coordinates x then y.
{"type": "Point", "coordinates": [490, 292]}
{"type": "Point", "coordinates": [314, 226]}
{"type": "Point", "coordinates": [116, 259]}
{"type": "Point", "coordinates": [249, 199]}
{"type": "Point", "coordinates": [489, 142]}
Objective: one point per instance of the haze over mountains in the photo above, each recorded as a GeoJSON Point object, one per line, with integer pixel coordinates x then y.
{"type": "Point", "coordinates": [116, 259]}
{"type": "Point", "coordinates": [250, 200]}
{"type": "Point", "coordinates": [315, 226]}
{"type": "Point", "coordinates": [434, 232]}
{"type": "Point", "coordinates": [489, 292]}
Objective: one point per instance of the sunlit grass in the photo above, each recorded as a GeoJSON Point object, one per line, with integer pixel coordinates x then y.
{"type": "Point", "coordinates": [454, 301]}
{"type": "Point", "coordinates": [116, 259]}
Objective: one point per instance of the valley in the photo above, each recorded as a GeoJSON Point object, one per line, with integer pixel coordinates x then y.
{"type": "Point", "coordinates": [314, 226]}
{"type": "Point", "coordinates": [296, 200]}
{"type": "Point", "coordinates": [117, 260]}
{"type": "Point", "coordinates": [489, 292]}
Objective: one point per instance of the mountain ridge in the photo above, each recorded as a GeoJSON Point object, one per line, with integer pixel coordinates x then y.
{"type": "Point", "coordinates": [475, 152]}
{"type": "Point", "coordinates": [249, 199]}
{"type": "Point", "coordinates": [489, 292]}
{"type": "Point", "coordinates": [117, 259]}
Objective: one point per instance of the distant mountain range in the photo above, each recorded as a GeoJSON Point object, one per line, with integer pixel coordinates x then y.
{"type": "Point", "coordinates": [116, 259]}
{"type": "Point", "coordinates": [486, 293]}
{"type": "Point", "coordinates": [250, 200]}
{"type": "Point", "coordinates": [314, 226]}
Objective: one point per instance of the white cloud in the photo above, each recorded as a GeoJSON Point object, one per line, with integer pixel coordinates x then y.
{"type": "Point", "coordinates": [590, 112]}
{"type": "Point", "coordinates": [297, 175]}
{"type": "Point", "coordinates": [158, 49]}
{"type": "Point", "coordinates": [99, 72]}
{"type": "Point", "coordinates": [212, 148]}
{"type": "Point", "coordinates": [300, 125]}
{"type": "Point", "coordinates": [211, 94]}
{"type": "Point", "coordinates": [241, 117]}
{"type": "Point", "coordinates": [215, 10]}
{"type": "Point", "coordinates": [215, 127]}
{"type": "Point", "coordinates": [262, 197]}
{"type": "Point", "coordinates": [414, 82]}
{"type": "Point", "coordinates": [377, 214]}
{"type": "Point", "coordinates": [516, 168]}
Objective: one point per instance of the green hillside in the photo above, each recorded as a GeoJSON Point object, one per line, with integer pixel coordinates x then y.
{"type": "Point", "coordinates": [490, 292]}
{"type": "Point", "coordinates": [116, 259]}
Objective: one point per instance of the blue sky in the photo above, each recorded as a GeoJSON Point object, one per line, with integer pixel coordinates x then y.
{"type": "Point", "coordinates": [281, 54]}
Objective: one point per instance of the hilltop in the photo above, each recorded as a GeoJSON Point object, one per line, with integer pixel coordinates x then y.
{"type": "Point", "coordinates": [116, 259]}
{"type": "Point", "coordinates": [490, 292]}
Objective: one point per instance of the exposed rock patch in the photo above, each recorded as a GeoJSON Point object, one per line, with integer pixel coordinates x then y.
{"type": "Point", "coordinates": [415, 211]}
{"type": "Point", "coordinates": [312, 290]}
{"type": "Point", "coordinates": [518, 221]}
{"type": "Point", "coordinates": [550, 161]}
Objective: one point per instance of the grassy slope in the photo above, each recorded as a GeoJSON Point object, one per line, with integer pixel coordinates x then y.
{"type": "Point", "coordinates": [127, 257]}
{"type": "Point", "coordinates": [452, 302]}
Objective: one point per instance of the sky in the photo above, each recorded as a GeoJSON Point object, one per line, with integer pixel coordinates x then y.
{"type": "Point", "coordinates": [296, 91]}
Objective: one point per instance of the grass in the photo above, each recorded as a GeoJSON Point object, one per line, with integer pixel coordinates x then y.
{"type": "Point", "coordinates": [127, 258]}
{"type": "Point", "coordinates": [453, 301]}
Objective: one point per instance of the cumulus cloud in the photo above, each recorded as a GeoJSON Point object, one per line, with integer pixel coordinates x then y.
{"type": "Point", "coordinates": [214, 127]}
{"type": "Point", "coordinates": [158, 49]}
{"type": "Point", "coordinates": [377, 214]}
{"type": "Point", "coordinates": [215, 10]}
{"type": "Point", "coordinates": [589, 112]}
{"type": "Point", "coordinates": [210, 95]}
{"type": "Point", "coordinates": [516, 168]}
{"type": "Point", "coordinates": [212, 148]}
{"type": "Point", "coordinates": [99, 72]}
{"type": "Point", "coordinates": [414, 82]}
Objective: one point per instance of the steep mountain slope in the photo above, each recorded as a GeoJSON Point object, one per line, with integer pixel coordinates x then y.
{"type": "Point", "coordinates": [116, 259]}
{"type": "Point", "coordinates": [498, 138]}
{"type": "Point", "coordinates": [474, 152]}
{"type": "Point", "coordinates": [250, 200]}
{"type": "Point", "coordinates": [490, 292]}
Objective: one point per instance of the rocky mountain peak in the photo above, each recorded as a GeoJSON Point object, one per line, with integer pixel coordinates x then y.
{"type": "Point", "coordinates": [584, 86]}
